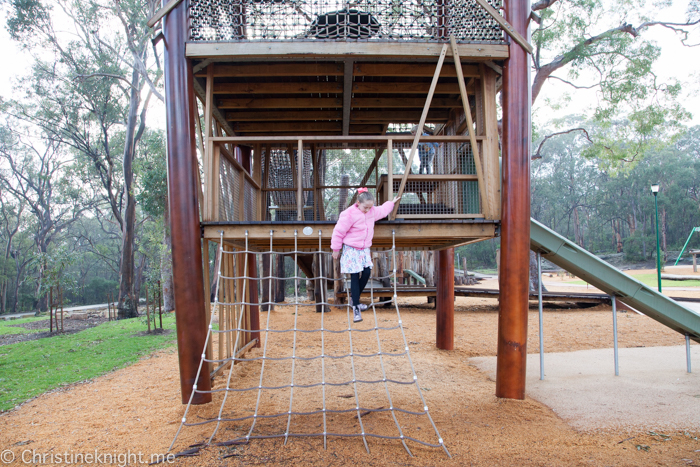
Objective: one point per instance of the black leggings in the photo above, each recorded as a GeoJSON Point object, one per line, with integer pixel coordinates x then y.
{"type": "Point", "coordinates": [357, 284]}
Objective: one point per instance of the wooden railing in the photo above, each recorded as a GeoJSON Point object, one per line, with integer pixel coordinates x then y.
{"type": "Point", "coordinates": [232, 193]}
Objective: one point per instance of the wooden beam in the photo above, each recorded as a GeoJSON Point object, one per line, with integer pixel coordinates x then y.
{"type": "Point", "coordinates": [347, 95]}
{"type": "Point", "coordinates": [279, 88]}
{"type": "Point", "coordinates": [282, 103]}
{"type": "Point", "coordinates": [517, 37]}
{"type": "Point", "coordinates": [357, 116]}
{"type": "Point", "coordinates": [284, 116]}
{"type": "Point", "coordinates": [402, 102]}
{"type": "Point", "coordinates": [377, 139]}
{"type": "Point", "coordinates": [485, 206]}
{"type": "Point", "coordinates": [302, 50]}
{"type": "Point", "coordinates": [162, 12]}
{"type": "Point", "coordinates": [402, 88]}
{"type": "Point", "coordinates": [305, 128]}
{"type": "Point", "coordinates": [397, 116]}
{"type": "Point", "coordinates": [287, 127]}
{"type": "Point", "coordinates": [410, 231]}
{"type": "Point", "coordinates": [419, 133]}
{"type": "Point", "coordinates": [208, 159]}
{"type": "Point", "coordinates": [218, 116]}
{"type": "Point", "coordinates": [492, 170]}
{"type": "Point", "coordinates": [425, 70]}
{"type": "Point", "coordinates": [278, 69]}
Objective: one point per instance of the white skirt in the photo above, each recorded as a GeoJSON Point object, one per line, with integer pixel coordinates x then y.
{"type": "Point", "coordinates": [354, 260]}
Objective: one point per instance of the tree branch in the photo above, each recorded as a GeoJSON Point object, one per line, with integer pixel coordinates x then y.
{"type": "Point", "coordinates": [537, 154]}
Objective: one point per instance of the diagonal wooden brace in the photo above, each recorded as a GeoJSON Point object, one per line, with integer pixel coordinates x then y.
{"type": "Point", "coordinates": [419, 132]}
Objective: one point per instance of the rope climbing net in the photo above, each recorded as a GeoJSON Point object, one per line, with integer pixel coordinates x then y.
{"type": "Point", "coordinates": [352, 368]}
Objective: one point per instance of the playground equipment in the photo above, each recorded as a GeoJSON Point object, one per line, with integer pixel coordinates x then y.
{"type": "Point", "coordinates": [288, 87]}
{"type": "Point", "coordinates": [695, 229]}
{"type": "Point", "coordinates": [609, 279]}
{"type": "Point", "coordinates": [233, 314]}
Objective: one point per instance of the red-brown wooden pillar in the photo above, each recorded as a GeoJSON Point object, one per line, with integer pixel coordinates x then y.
{"type": "Point", "coordinates": [515, 203]}
{"type": "Point", "coordinates": [445, 300]}
{"type": "Point", "coordinates": [245, 152]}
{"type": "Point", "coordinates": [190, 315]}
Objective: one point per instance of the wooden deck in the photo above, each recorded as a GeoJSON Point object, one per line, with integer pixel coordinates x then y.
{"type": "Point", "coordinates": [409, 234]}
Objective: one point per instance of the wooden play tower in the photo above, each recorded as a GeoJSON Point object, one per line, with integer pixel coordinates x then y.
{"type": "Point", "coordinates": [304, 102]}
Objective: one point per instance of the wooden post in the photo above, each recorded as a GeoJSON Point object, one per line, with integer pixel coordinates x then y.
{"type": "Point", "coordinates": [280, 282]}
{"type": "Point", "coordinates": [148, 314]}
{"type": "Point", "coordinates": [60, 301]}
{"type": "Point", "coordinates": [466, 273]}
{"type": "Point", "coordinates": [184, 212]}
{"type": "Point", "coordinates": [160, 310]}
{"type": "Point", "coordinates": [338, 287]}
{"type": "Point", "coordinates": [50, 309]}
{"type": "Point", "coordinates": [445, 299]}
{"type": "Point", "coordinates": [515, 210]}
{"type": "Point", "coordinates": [266, 283]}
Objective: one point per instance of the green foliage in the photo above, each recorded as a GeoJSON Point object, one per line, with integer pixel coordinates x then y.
{"type": "Point", "coordinates": [564, 181]}
{"type": "Point", "coordinates": [34, 367]}
{"type": "Point", "coordinates": [601, 45]}
{"type": "Point", "coordinates": [151, 171]}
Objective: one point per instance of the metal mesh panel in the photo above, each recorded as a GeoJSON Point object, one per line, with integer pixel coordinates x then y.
{"type": "Point", "coordinates": [436, 197]}
{"type": "Point", "coordinates": [229, 194]}
{"type": "Point", "coordinates": [281, 184]}
{"type": "Point", "coordinates": [250, 201]}
{"type": "Point", "coordinates": [423, 20]}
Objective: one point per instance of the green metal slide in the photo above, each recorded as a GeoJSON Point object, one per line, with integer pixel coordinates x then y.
{"type": "Point", "coordinates": [611, 280]}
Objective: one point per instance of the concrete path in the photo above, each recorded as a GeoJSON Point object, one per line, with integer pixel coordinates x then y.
{"type": "Point", "coordinates": [653, 391]}
{"type": "Point", "coordinates": [97, 306]}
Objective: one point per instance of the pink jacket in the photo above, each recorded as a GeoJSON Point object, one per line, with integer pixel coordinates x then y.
{"type": "Point", "coordinates": [356, 229]}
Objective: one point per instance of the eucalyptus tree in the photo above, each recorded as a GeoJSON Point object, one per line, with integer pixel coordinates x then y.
{"type": "Point", "coordinates": [603, 45]}
{"type": "Point", "coordinates": [91, 88]}
{"type": "Point", "coordinates": [37, 173]}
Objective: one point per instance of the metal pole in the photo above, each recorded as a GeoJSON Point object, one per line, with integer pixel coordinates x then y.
{"type": "Point", "coordinates": [658, 248]}
{"type": "Point", "coordinates": [539, 299]}
{"type": "Point", "coordinates": [614, 308]}
{"type": "Point", "coordinates": [687, 351]}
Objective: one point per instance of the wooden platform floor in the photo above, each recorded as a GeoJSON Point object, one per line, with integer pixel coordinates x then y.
{"type": "Point", "coordinates": [409, 234]}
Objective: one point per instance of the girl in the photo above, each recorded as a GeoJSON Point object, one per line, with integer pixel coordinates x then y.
{"type": "Point", "coordinates": [353, 233]}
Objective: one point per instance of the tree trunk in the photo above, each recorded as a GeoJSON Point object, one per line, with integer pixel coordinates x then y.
{"type": "Point", "coordinates": [139, 279]}
{"type": "Point", "coordinates": [534, 278]}
{"type": "Point", "coordinates": [578, 236]}
{"type": "Point", "coordinates": [266, 283]}
{"type": "Point", "coordinates": [127, 306]}
{"type": "Point", "coordinates": [280, 282]}
{"type": "Point", "coordinates": [215, 273]}
{"type": "Point", "coordinates": [664, 246]}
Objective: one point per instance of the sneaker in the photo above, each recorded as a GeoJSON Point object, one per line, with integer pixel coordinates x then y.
{"type": "Point", "coordinates": [356, 314]}
{"type": "Point", "coordinates": [361, 306]}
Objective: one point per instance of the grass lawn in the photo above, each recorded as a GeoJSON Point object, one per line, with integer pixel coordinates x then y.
{"type": "Point", "coordinates": [30, 368]}
{"type": "Point", "coordinates": [6, 326]}
{"type": "Point", "coordinates": [651, 279]}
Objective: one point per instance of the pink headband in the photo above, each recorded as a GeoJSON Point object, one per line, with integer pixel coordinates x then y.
{"type": "Point", "coordinates": [362, 190]}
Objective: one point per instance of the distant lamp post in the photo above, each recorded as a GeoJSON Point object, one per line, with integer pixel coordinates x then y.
{"type": "Point", "coordinates": [655, 192]}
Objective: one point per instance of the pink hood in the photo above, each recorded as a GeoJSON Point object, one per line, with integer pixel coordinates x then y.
{"type": "Point", "coordinates": [356, 228]}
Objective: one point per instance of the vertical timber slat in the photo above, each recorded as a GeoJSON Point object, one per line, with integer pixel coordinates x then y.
{"type": "Point", "coordinates": [492, 171]}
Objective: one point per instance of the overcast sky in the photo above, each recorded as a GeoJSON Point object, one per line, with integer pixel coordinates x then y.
{"type": "Point", "coordinates": [676, 61]}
